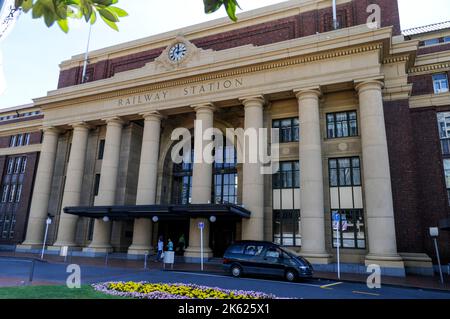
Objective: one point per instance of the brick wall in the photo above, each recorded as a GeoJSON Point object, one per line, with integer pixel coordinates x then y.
{"type": "Point", "coordinates": [35, 138]}
{"type": "Point", "coordinates": [423, 84]}
{"type": "Point", "coordinates": [432, 200]}
{"type": "Point", "coordinates": [307, 23]}
{"type": "Point", "coordinates": [403, 166]}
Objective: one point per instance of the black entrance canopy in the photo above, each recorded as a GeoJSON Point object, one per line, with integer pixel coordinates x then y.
{"type": "Point", "coordinates": [222, 211]}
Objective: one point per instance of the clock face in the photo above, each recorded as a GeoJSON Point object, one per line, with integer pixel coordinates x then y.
{"type": "Point", "coordinates": [177, 52]}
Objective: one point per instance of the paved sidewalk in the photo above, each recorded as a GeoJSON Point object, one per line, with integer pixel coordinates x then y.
{"type": "Point", "coordinates": [215, 267]}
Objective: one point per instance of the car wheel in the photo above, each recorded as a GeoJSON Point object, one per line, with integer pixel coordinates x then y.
{"type": "Point", "coordinates": [290, 275]}
{"type": "Point", "coordinates": [236, 271]}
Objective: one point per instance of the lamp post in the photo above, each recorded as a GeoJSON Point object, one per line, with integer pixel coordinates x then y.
{"type": "Point", "coordinates": [434, 233]}
{"type": "Point", "coordinates": [48, 222]}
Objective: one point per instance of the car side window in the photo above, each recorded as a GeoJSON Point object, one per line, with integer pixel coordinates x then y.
{"type": "Point", "coordinates": [273, 253]}
{"type": "Point", "coordinates": [253, 250]}
{"type": "Point", "coordinates": [236, 249]}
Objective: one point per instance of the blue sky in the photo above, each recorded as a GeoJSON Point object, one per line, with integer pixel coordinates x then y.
{"type": "Point", "coordinates": [32, 53]}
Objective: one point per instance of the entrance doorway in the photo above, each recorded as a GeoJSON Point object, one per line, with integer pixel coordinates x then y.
{"type": "Point", "coordinates": [173, 229]}
{"type": "Point", "coordinates": [222, 235]}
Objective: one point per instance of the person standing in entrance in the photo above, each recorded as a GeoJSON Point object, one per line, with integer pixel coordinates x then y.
{"type": "Point", "coordinates": [170, 245]}
{"type": "Point", "coordinates": [181, 245]}
{"type": "Point", "coordinates": [160, 248]}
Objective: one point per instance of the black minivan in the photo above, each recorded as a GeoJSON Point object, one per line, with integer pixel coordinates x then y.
{"type": "Point", "coordinates": [265, 258]}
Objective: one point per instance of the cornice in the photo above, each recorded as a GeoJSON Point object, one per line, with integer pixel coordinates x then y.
{"type": "Point", "coordinates": [429, 100]}
{"type": "Point", "coordinates": [259, 67]}
{"type": "Point", "coordinates": [445, 66]}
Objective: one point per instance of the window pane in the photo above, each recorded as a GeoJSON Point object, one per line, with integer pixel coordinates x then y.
{"type": "Point", "coordinates": [431, 42]}
{"type": "Point", "coordinates": [447, 172]}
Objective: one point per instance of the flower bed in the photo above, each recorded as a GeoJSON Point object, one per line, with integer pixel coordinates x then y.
{"type": "Point", "coordinates": [146, 290]}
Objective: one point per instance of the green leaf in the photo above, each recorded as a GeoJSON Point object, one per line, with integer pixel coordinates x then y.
{"type": "Point", "coordinates": [111, 24]}
{"type": "Point", "coordinates": [212, 5]}
{"type": "Point", "coordinates": [230, 6]}
{"type": "Point", "coordinates": [108, 15]}
{"type": "Point", "coordinates": [63, 24]}
{"type": "Point", "coordinates": [119, 12]}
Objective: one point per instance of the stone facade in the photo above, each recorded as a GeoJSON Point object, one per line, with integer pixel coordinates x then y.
{"type": "Point", "coordinates": [281, 62]}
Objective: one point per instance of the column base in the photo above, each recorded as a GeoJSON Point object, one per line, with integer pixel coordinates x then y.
{"type": "Point", "coordinates": [194, 252]}
{"type": "Point", "coordinates": [73, 247]}
{"type": "Point", "coordinates": [391, 265]}
{"type": "Point", "coordinates": [29, 246]}
{"type": "Point", "coordinates": [317, 258]}
{"type": "Point", "coordinates": [140, 250]}
{"type": "Point", "coordinates": [98, 249]}
{"type": "Point", "coordinates": [418, 264]}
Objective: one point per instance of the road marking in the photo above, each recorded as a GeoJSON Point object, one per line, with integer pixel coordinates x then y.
{"type": "Point", "coordinates": [252, 279]}
{"type": "Point", "coordinates": [365, 293]}
{"type": "Point", "coordinates": [329, 285]}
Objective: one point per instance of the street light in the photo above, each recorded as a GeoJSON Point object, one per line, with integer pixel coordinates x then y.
{"type": "Point", "coordinates": [155, 219]}
{"type": "Point", "coordinates": [106, 219]}
{"type": "Point", "coordinates": [48, 221]}
{"type": "Point", "coordinates": [434, 233]}
{"type": "Point", "coordinates": [212, 219]}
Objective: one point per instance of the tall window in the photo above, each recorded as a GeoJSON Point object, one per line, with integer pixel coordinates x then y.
{"type": "Point", "coordinates": [288, 176]}
{"type": "Point", "coordinates": [96, 184]}
{"type": "Point", "coordinates": [24, 165]}
{"type": "Point", "coordinates": [350, 222]}
{"type": "Point", "coordinates": [440, 83]}
{"type": "Point", "coordinates": [19, 140]}
{"type": "Point", "coordinates": [346, 202]}
{"type": "Point", "coordinates": [225, 176]}
{"type": "Point", "coordinates": [182, 181]}
{"type": "Point", "coordinates": [447, 176]}
{"type": "Point", "coordinates": [18, 165]}
{"type": "Point", "coordinates": [101, 149]}
{"type": "Point", "coordinates": [289, 129]}
{"type": "Point", "coordinates": [10, 167]}
{"type": "Point", "coordinates": [286, 227]}
{"type": "Point", "coordinates": [5, 192]}
{"type": "Point", "coordinates": [27, 139]}
{"type": "Point", "coordinates": [286, 204]}
{"type": "Point", "coordinates": [343, 124]}
{"type": "Point", "coordinates": [345, 172]}
{"type": "Point", "coordinates": [12, 193]}
{"type": "Point", "coordinates": [12, 141]}
{"type": "Point", "coordinates": [18, 193]}
{"type": "Point", "coordinates": [443, 119]}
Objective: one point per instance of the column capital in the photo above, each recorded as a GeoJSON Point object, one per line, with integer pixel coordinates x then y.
{"type": "Point", "coordinates": [80, 125]}
{"type": "Point", "coordinates": [314, 92]}
{"type": "Point", "coordinates": [254, 99]}
{"type": "Point", "coordinates": [210, 107]}
{"type": "Point", "coordinates": [51, 130]}
{"type": "Point", "coordinates": [115, 120]}
{"type": "Point", "coordinates": [152, 116]}
{"type": "Point", "coordinates": [369, 84]}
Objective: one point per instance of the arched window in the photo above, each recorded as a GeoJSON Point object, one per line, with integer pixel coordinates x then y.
{"type": "Point", "coordinates": [182, 181]}
{"type": "Point", "coordinates": [225, 180]}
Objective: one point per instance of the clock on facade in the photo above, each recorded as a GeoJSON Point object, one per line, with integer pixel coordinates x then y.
{"type": "Point", "coordinates": [177, 52]}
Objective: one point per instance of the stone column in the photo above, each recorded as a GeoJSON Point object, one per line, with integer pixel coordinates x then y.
{"type": "Point", "coordinates": [108, 185]}
{"type": "Point", "coordinates": [148, 174]}
{"type": "Point", "coordinates": [379, 211]}
{"type": "Point", "coordinates": [253, 180]}
{"type": "Point", "coordinates": [201, 182]}
{"type": "Point", "coordinates": [311, 178]}
{"type": "Point", "coordinates": [73, 184]}
{"type": "Point", "coordinates": [42, 188]}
